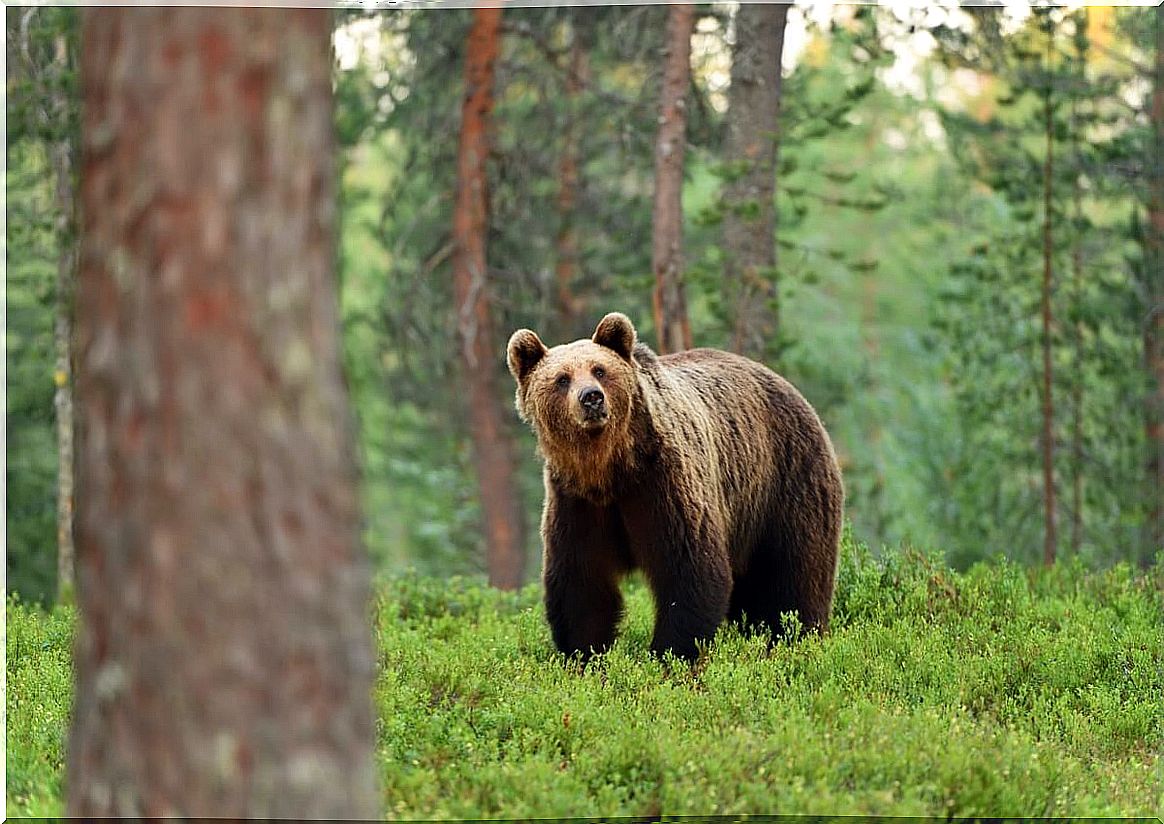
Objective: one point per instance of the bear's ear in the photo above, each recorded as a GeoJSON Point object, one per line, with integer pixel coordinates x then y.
{"type": "Point", "coordinates": [615, 331]}
{"type": "Point", "coordinates": [523, 353]}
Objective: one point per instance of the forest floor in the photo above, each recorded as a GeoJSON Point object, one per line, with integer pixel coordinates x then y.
{"type": "Point", "coordinates": [1000, 691]}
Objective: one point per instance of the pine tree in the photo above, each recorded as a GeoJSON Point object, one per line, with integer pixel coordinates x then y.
{"type": "Point", "coordinates": [493, 451]}
{"type": "Point", "coordinates": [672, 324]}
{"type": "Point", "coordinates": [224, 658]}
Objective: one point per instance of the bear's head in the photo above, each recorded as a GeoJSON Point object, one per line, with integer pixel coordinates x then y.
{"type": "Point", "coordinates": [579, 398]}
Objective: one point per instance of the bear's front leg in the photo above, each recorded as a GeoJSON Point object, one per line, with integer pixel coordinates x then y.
{"type": "Point", "coordinates": [687, 614]}
{"type": "Point", "coordinates": [583, 612]}
{"type": "Point", "coordinates": [689, 572]}
{"type": "Point", "coordinates": [582, 564]}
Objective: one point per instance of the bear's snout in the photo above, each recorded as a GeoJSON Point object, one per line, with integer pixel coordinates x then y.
{"type": "Point", "coordinates": [592, 398]}
{"type": "Point", "coordinates": [593, 403]}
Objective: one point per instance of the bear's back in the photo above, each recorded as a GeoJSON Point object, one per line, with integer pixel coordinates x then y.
{"type": "Point", "coordinates": [758, 437]}
{"type": "Point", "coordinates": [726, 382]}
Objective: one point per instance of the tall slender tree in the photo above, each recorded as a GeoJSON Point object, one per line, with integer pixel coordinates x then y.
{"type": "Point", "coordinates": [752, 148]}
{"type": "Point", "coordinates": [492, 441]}
{"type": "Point", "coordinates": [1154, 318]}
{"type": "Point", "coordinates": [670, 306]}
{"type": "Point", "coordinates": [1066, 93]}
{"type": "Point", "coordinates": [1139, 161]}
{"type": "Point", "coordinates": [224, 661]}
{"type": "Point", "coordinates": [568, 302]}
{"type": "Point", "coordinates": [44, 60]}
{"type": "Point", "coordinates": [1077, 376]}
{"type": "Point", "coordinates": [1048, 435]}
{"type": "Point", "coordinates": [64, 155]}
{"type": "Point", "coordinates": [1078, 229]}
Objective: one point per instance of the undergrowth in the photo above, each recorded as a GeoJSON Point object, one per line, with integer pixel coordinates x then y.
{"type": "Point", "coordinates": [998, 691]}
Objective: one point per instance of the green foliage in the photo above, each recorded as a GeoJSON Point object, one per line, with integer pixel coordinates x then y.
{"type": "Point", "coordinates": [821, 102]}
{"type": "Point", "coordinates": [41, 48]}
{"type": "Point", "coordinates": [989, 311]}
{"type": "Point", "coordinates": [42, 114]}
{"type": "Point", "coordinates": [31, 472]}
{"type": "Point", "coordinates": [398, 112]}
{"type": "Point", "coordinates": [998, 691]}
{"type": "Point", "coordinates": [908, 244]}
{"type": "Point", "coordinates": [38, 700]}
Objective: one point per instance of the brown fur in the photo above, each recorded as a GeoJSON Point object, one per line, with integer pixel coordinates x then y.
{"type": "Point", "coordinates": [708, 471]}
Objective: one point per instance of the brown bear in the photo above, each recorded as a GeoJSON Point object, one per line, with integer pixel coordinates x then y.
{"type": "Point", "coordinates": [704, 469]}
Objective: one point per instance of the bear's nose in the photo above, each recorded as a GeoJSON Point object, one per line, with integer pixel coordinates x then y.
{"type": "Point", "coordinates": [592, 398]}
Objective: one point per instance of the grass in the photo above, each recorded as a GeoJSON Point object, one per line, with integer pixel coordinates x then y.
{"type": "Point", "coordinates": [1000, 691]}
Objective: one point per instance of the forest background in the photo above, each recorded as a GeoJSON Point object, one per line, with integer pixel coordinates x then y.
{"type": "Point", "coordinates": [967, 278]}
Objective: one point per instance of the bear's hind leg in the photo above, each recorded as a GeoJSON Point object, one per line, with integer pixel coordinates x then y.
{"type": "Point", "coordinates": [785, 575]}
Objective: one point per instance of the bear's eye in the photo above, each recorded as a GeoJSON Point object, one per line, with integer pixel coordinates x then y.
{"type": "Point", "coordinates": [599, 372]}
{"type": "Point", "coordinates": [563, 381]}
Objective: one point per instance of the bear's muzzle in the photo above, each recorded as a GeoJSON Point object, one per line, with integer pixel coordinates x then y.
{"type": "Point", "coordinates": [592, 403]}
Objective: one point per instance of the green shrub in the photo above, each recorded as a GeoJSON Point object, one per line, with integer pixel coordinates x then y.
{"type": "Point", "coordinates": [998, 691]}
{"type": "Point", "coordinates": [39, 648]}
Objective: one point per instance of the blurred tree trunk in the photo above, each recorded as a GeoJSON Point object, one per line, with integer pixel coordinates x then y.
{"type": "Point", "coordinates": [569, 304]}
{"type": "Point", "coordinates": [492, 444]}
{"type": "Point", "coordinates": [753, 129]}
{"type": "Point", "coordinates": [1048, 445]}
{"type": "Point", "coordinates": [1154, 324]}
{"type": "Point", "coordinates": [670, 306]}
{"type": "Point", "coordinates": [224, 662]}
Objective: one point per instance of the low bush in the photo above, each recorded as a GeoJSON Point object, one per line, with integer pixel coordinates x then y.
{"type": "Point", "coordinates": [999, 691]}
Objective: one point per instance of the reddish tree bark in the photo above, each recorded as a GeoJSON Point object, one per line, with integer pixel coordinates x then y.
{"type": "Point", "coordinates": [753, 124]}
{"type": "Point", "coordinates": [1048, 443]}
{"type": "Point", "coordinates": [224, 662]}
{"type": "Point", "coordinates": [670, 305]}
{"type": "Point", "coordinates": [492, 444]}
{"type": "Point", "coordinates": [569, 304]}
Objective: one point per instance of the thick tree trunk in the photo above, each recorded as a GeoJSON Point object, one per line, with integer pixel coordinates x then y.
{"type": "Point", "coordinates": [753, 123]}
{"type": "Point", "coordinates": [1154, 325]}
{"type": "Point", "coordinates": [492, 444]}
{"type": "Point", "coordinates": [224, 663]}
{"type": "Point", "coordinates": [1048, 443]}
{"type": "Point", "coordinates": [670, 305]}
{"type": "Point", "coordinates": [569, 304]}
